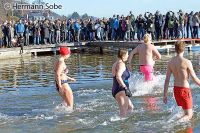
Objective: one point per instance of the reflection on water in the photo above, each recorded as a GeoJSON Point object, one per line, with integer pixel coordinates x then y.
{"type": "Point", "coordinates": [30, 103]}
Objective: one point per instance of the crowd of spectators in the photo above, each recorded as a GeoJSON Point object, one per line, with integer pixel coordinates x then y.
{"type": "Point", "coordinates": [117, 28]}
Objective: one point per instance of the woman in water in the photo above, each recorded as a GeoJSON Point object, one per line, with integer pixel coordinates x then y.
{"type": "Point", "coordinates": [62, 79]}
{"type": "Point", "coordinates": [120, 89]}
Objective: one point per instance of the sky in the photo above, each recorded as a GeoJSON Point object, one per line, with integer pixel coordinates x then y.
{"type": "Point", "coordinates": [106, 8]}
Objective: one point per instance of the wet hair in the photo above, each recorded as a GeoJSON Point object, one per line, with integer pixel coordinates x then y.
{"type": "Point", "coordinates": [147, 37]}
{"type": "Point", "coordinates": [122, 52]}
{"type": "Point", "coordinates": [179, 47]}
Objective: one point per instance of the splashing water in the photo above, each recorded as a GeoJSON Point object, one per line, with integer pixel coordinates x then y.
{"type": "Point", "coordinates": [63, 108]}
{"type": "Point", "coordinates": [117, 118]}
{"type": "Point", "coordinates": [176, 113]}
{"type": "Point", "coordinates": [139, 87]}
{"type": "Point", "coordinates": [35, 106]}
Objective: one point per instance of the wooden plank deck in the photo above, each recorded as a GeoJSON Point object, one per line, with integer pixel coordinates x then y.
{"type": "Point", "coordinates": [163, 45]}
{"type": "Point", "coordinates": [35, 49]}
{"type": "Point", "coordinates": [133, 44]}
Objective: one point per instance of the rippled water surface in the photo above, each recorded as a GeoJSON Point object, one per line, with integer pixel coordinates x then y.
{"type": "Point", "coordinates": [30, 103]}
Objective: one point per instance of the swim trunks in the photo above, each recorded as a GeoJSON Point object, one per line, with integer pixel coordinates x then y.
{"type": "Point", "coordinates": [183, 97]}
{"type": "Point", "coordinates": [147, 70]}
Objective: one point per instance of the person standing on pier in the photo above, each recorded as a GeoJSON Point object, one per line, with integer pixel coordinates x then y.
{"type": "Point", "coordinates": [62, 79]}
{"type": "Point", "coordinates": [1, 37]}
{"type": "Point", "coordinates": [20, 29]}
{"type": "Point", "coordinates": [120, 89]}
{"type": "Point", "coordinates": [147, 55]}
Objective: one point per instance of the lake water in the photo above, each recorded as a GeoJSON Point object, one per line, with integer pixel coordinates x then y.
{"type": "Point", "coordinates": [30, 103]}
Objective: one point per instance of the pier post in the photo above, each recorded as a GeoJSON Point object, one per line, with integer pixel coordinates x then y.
{"type": "Point", "coordinates": [192, 42]}
{"type": "Point", "coordinates": [35, 53]}
{"type": "Point", "coordinates": [101, 50]}
{"type": "Point", "coordinates": [167, 50]}
{"type": "Point", "coordinates": [189, 48]}
{"type": "Point", "coordinates": [82, 50]}
{"type": "Point", "coordinates": [54, 52]}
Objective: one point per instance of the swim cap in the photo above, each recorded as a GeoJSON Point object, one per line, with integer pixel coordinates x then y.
{"type": "Point", "coordinates": [65, 51]}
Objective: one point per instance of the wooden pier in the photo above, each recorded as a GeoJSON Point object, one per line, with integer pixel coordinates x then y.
{"type": "Point", "coordinates": [163, 46]}
{"type": "Point", "coordinates": [34, 50]}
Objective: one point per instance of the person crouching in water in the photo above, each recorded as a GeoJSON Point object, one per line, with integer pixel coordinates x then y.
{"type": "Point", "coordinates": [181, 69]}
{"type": "Point", "coordinates": [62, 79]}
{"type": "Point", "coordinates": [147, 54]}
{"type": "Point", "coordinates": [120, 89]}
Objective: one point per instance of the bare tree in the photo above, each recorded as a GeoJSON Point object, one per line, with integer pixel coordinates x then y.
{"type": "Point", "coordinates": [3, 12]}
{"type": "Point", "coordinates": [38, 2]}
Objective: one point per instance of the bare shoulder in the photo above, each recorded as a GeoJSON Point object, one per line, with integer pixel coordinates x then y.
{"type": "Point", "coordinates": [188, 62]}
{"type": "Point", "coordinates": [114, 65]}
{"type": "Point", "coordinates": [153, 47]}
{"type": "Point", "coordinates": [171, 62]}
{"type": "Point", "coordinates": [114, 69]}
{"type": "Point", "coordinates": [60, 63]}
{"type": "Point", "coordinates": [141, 45]}
{"type": "Point", "coordinates": [119, 64]}
{"type": "Point", "coordinates": [138, 47]}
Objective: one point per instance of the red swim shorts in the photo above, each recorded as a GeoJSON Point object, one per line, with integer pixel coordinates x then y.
{"type": "Point", "coordinates": [183, 97]}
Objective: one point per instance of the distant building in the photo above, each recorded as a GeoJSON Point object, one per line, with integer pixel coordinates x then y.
{"type": "Point", "coordinates": [38, 15]}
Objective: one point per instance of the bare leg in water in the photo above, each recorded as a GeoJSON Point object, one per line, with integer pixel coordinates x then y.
{"type": "Point", "coordinates": [124, 103]}
{"type": "Point", "coordinates": [67, 95]}
{"type": "Point", "coordinates": [188, 115]}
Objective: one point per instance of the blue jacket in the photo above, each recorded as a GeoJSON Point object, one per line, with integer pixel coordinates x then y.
{"type": "Point", "coordinates": [20, 28]}
{"type": "Point", "coordinates": [77, 26]}
{"type": "Point", "coordinates": [116, 24]}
